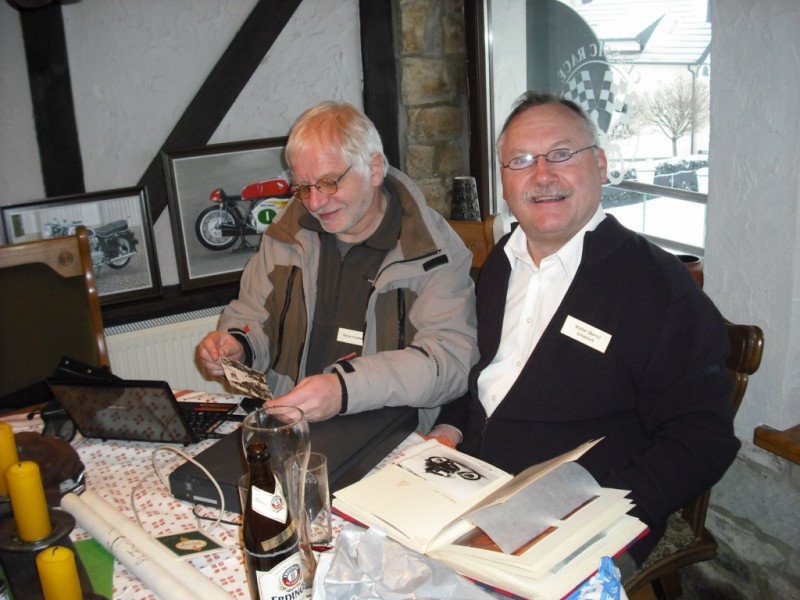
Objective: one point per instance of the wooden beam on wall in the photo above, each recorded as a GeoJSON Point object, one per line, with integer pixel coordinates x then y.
{"type": "Point", "coordinates": [379, 63]}
{"type": "Point", "coordinates": [51, 96]}
{"type": "Point", "coordinates": [220, 90]}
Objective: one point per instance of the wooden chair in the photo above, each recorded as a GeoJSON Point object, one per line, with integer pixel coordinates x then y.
{"type": "Point", "coordinates": [687, 540]}
{"type": "Point", "coordinates": [478, 236]}
{"type": "Point", "coordinates": [49, 308]}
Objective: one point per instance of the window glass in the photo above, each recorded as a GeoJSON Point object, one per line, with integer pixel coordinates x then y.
{"type": "Point", "coordinates": [641, 69]}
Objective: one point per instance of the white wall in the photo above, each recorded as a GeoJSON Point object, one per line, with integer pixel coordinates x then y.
{"type": "Point", "coordinates": [135, 65]}
{"type": "Point", "coordinates": [752, 264]}
{"type": "Point", "coordinates": [751, 273]}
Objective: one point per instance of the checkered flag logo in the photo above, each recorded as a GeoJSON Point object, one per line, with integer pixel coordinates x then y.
{"type": "Point", "coordinates": [604, 100]}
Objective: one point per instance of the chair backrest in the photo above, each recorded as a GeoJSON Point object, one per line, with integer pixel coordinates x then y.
{"type": "Point", "coordinates": [747, 347]}
{"type": "Point", "coordinates": [478, 236]}
{"type": "Point", "coordinates": [49, 308]}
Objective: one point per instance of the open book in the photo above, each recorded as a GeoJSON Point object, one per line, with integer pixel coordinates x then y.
{"type": "Point", "coordinates": [539, 534]}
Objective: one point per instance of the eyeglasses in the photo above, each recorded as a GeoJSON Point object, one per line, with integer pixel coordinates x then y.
{"type": "Point", "coordinates": [558, 155]}
{"type": "Point", "coordinates": [325, 186]}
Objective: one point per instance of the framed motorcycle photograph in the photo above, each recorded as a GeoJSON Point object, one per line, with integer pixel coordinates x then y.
{"type": "Point", "coordinates": [120, 236]}
{"type": "Point", "coordinates": [221, 199]}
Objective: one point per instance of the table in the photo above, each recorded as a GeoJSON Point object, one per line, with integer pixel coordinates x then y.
{"type": "Point", "coordinates": [122, 472]}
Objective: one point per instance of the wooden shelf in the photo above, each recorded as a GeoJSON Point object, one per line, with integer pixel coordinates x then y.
{"type": "Point", "coordinates": [783, 443]}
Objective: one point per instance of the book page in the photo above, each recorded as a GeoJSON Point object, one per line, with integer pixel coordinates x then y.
{"type": "Point", "coordinates": [534, 472]}
{"type": "Point", "coordinates": [536, 506]}
{"type": "Point", "coordinates": [550, 547]}
{"type": "Point", "coordinates": [418, 496]}
{"type": "Point", "coordinates": [558, 580]}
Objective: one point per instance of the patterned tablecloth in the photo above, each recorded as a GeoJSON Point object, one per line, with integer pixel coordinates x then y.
{"type": "Point", "coordinates": [123, 474]}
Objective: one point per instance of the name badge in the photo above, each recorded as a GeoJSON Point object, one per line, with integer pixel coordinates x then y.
{"type": "Point", "coordinates": [350, 336]}
{"type": "Point", "coordinates": [586, 334]}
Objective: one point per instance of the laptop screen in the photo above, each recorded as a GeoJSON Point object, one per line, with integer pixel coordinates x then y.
{"type": "Point", "coordinates": [127, 410]}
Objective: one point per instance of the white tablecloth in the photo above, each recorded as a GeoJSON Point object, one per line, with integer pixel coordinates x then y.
{"type": "Point", "coordinates": [115, 468]}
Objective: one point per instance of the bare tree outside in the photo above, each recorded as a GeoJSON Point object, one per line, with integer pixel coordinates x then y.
{"type": "Point", "coordinates": [677, 108]}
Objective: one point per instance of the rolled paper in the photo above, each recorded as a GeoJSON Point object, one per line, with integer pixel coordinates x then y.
{"type": "Point", "coordinates": [58, 574]}
{"type": "Point", "coordinates": [169, 579]}
{"type": "Point", "coordinates": [8, 454]}
{"type": "Point", "coordinates": [204, 588]}
{"type": "Point", "coordinates": [28, 502]}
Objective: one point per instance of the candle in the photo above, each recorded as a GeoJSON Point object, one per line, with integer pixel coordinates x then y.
{"type": "Point", "coordinates": [58, 574]}
{"type": "Point", "coordinates": [28, 502]}
{"type": "Point", "coordinates": [8, 453]}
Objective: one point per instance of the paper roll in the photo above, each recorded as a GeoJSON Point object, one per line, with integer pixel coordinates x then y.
{"type": "Point", "coordinates": [154, 549]}
{"type": "Point", "coordinates": [166, 576]}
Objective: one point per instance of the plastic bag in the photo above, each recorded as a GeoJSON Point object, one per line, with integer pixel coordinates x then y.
{"type": "Point", "coordinates": [603, 585]}
{"type": "Point", "coordinates": [368, 565]}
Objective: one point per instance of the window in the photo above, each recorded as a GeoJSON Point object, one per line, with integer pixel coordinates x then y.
{"type": "Point", "coordinates": [640, 68]}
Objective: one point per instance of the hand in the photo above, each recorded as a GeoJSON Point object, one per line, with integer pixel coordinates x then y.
{"type": "Point", "coordinates": [446, 435]}
{"type": "Point", "coordinates": [215, 345]}
{"type": "Point", "coordinates": [318, 396]}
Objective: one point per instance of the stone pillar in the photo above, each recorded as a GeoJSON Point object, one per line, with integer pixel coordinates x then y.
{"type": "Point", "coordinates": [433, 96]}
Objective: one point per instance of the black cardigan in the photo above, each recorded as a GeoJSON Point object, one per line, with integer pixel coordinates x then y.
{"type": "Point", "coordinates": [659, 394]}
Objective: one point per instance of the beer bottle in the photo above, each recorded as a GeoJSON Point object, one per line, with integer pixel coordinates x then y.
{"type": "Point", "coordinates": [272, 553]}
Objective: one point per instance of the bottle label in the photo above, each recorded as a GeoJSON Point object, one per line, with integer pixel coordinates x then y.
{"type": "Point", "coordinates": [283, 582]}
{"type": "Point", "coordinates": [272, 506]}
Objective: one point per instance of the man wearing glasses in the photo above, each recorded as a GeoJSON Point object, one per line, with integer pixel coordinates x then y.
{"type": "Point", "coordinates": [359, 296]}
{"type": "Point", "coordinates": [587, 330]}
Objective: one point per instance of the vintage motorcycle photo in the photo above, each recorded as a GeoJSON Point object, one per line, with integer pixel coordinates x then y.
{"type": "Point", "coordinates": [218, 227]}
{"type": "Point", "coordinates": [112, 244]}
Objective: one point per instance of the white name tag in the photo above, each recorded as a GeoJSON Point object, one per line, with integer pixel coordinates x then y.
{"type": "Point", "coordinates": [350, 336]}
{"type": "Point", "coordinates": [586, 334]}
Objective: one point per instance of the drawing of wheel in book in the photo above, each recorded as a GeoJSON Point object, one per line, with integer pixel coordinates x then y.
{"type": "Point", "coordinates": [446, 467]}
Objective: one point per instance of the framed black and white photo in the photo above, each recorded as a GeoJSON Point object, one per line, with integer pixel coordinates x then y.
{"type": "Point", "coordinates": [120, 236]}
{"type": "Point", "coordinates": [214, 239]}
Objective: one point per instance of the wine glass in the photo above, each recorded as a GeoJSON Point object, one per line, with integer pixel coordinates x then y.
{"type": "Point", "coordinates": [284, 429]}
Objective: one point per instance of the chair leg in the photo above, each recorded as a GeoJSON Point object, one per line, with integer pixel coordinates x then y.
{"type": "Point", "coordinates": [668, 587]}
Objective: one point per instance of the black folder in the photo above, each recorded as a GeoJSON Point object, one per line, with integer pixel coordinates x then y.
{"type": "Point", "coordinates": [353, 444]}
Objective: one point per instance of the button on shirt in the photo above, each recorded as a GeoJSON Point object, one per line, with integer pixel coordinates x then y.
{"type": "Point", "coordinates": [534, 294]}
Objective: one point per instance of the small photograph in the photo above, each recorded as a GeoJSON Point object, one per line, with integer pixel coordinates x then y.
{"type": "Point", "coordinates": [247, 380]}
{"type": "Point", "coordinates": [120, 240]}
{"type": "Point", "coordinates": [450, 471]}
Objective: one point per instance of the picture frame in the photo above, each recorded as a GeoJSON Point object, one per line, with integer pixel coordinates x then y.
{"type": "Point", "coordinates": [120, 236]}
{"type": "Point", "coordinates": [204, 256]}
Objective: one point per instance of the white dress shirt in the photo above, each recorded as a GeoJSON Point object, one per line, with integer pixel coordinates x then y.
{"type": "Point", "coordinates": [534, 294]}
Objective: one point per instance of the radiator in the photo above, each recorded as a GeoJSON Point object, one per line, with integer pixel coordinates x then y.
{"type": "Point", "coordinates": [163, 349]}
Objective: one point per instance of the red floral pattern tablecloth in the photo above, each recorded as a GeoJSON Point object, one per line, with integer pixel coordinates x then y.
{"type": "Point", "coordinates": [115, 468]}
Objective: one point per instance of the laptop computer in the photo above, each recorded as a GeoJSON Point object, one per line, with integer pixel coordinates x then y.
{"type": "Point", "coordinates": [353, 444]}
{"type": "Point", "coordinates": [137, 411]}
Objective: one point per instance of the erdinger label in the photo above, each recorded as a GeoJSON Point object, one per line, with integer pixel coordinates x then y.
{"type": "Point", "coordinates": [283, 582]}
{"type": "Point", "coordinates": [272, 506]}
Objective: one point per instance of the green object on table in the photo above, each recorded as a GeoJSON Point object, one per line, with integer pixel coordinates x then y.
{"type": "Point", "coordinates": [99, 565]}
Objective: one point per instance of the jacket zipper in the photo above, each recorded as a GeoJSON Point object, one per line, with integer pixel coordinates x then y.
{"type": "Point", "coordinates": [401, 338]}
{"type": "Point", "coordinates": [282, 320]}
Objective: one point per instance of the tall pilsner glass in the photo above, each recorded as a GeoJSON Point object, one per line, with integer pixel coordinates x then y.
{"type": "Point", "coordinates": [285, 431]}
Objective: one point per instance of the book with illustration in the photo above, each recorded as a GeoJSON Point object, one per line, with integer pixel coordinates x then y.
{"type": "Point", "coordinates": [538, 534]}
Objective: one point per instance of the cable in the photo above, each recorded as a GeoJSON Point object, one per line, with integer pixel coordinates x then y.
{"type": "Point", "coordinates": [165, 483]}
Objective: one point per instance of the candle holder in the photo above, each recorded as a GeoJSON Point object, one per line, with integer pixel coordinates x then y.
{"type": "Point", "coordinates": [18, 557]}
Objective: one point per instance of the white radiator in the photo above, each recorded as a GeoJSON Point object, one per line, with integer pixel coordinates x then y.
{"type": "Point", "coordinates": [163, 349]}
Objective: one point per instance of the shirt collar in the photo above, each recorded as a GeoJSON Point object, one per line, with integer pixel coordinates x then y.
{"type": "Point", "coordinates": [569, 255]}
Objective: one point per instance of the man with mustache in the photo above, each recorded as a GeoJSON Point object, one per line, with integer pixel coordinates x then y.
{"type": "Point", "coordinates": [359, 296]}
{"type": "Point", "coordinates": [587, 330]}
